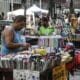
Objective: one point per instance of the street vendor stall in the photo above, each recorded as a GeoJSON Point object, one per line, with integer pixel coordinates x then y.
{"type": "Point", "coordinates": [48, 42]}
{"type": "Point", "coordinates": [23, 66]}
{"type": "Point", "coordinates": [39, 62]}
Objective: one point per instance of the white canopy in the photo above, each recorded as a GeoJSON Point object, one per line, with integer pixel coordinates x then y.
{"type": "Point", "coordinates": [30, 11]}
{"type": "Point", "coordinates": [17, 12]}
{"type": "Point", "coordinates": [35, 9]}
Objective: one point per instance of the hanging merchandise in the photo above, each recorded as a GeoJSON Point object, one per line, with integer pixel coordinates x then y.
{"type": "Point", "coordinates": [66, 30]}
{"type": "Point", "coordinates": [41, 42]}
{"type": "Point", "coordinates": [61, 43]}
{"type": "Point", "coordinates": [35, 66]}
{"type": "Point", "coordinates": [74, 22]}
{"type": "Point", "coordinates": [50, 42]}
{"type": "Point", "coordinates": [51, 62]}
{"type": "Point", "coordinates": [55, 42]}
{"type": "Point", "coordinates": [46, 42]}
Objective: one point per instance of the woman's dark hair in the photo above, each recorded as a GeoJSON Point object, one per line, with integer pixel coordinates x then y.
{"type": "Point", "coordinates": [44, 19]}
{"type": "Point", "coordinates": [19, 18]}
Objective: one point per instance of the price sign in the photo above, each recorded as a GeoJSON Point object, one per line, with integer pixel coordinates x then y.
{"type": "Point", "coordinates": [59, 72]}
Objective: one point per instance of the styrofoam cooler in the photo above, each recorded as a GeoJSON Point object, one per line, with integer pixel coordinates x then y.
{"type": "Point", "coordinates": [25, 75]}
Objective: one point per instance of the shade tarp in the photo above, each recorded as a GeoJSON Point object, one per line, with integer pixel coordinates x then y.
{"type": "Point", "coordinates": [35, 9]}
{"type": "Point", "coordinates": [30, 11]}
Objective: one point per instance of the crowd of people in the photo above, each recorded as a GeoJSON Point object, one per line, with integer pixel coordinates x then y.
{"type": "Point", "coordinates": [11, 40]}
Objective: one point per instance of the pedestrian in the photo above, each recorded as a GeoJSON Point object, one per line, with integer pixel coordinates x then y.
{"type": "Point", "coordinates": [11, 38]}
{"type": "Point", "coordinates": [2, 16]}
{"type": "Point", "coordinates": [45, 28]}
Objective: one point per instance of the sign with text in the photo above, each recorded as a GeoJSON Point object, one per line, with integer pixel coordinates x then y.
{"type": "Point", "coordinates": [59, 72]}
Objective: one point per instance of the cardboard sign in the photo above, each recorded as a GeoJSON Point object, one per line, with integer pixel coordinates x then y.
{"type": "Point", "coordinates": [74, 23]}
{"type": "Point", "coordinates": [59, 72]}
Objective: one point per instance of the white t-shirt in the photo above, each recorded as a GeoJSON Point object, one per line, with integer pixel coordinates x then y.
{"type": "Point", "coordinates": [8, 26]}
{"type": "Point", "coordinates": [66, 20]}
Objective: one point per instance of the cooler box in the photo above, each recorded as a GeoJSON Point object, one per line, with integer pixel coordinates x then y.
{"type": "Point", "coordinates": [70, 65]}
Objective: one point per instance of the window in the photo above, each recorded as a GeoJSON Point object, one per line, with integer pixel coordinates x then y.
{"type": "Point", "coordinates": [15, 6]}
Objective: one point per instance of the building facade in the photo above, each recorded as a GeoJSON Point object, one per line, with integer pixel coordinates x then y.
{"type": "Point", "coordinates": [76, 4]}
{"type": "Point", "coordinates": [8, 5]}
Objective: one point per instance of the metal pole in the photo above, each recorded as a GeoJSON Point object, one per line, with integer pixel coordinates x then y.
{"type": "Point", "coordinates": [71, 7]}
{"type": "Point", "coordinates": [50, 8]}
{"type": "Point", "coordinates": [11, 5]}
{"type": "Point", "coordinates": [54, 10]}
{"type": "Point", "coordinates": [12, 9]}
{"type": "Point", "coordinates": [40, 3]}
{"type": "Point", "coordinates": [25, 7]}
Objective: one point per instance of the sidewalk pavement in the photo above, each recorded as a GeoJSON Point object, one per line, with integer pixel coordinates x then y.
{"type": "Point", "coordinates": [76, 75]}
